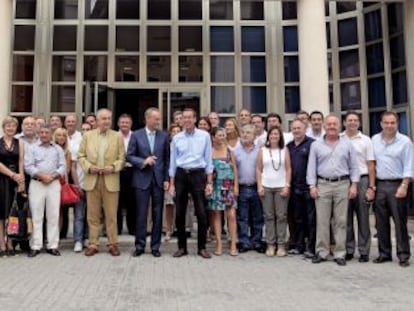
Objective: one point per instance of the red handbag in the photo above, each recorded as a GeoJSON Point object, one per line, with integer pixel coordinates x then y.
{"type": "Point", "coordinates": [69, 194]}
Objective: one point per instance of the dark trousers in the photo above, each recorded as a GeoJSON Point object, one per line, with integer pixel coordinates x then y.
{"type": "Point", "coordinates": [386, 206]}
{"type": "Point", "coordinates": [302, 206]}
{"type": "Point", "coordinates": [193, 182]}
{"type": "Point", "coordinates": [249, 214]}
{"type": "Point", "coordinates": [359, 207]}
{"type": "Point", "coordinates": [143, 196]}
{"type": "Point", "coordinates": [126, 202]}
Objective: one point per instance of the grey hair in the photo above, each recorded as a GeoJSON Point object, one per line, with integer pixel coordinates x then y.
{"type": "Point", "coordinates": [102, 110]}
{"type": "Point", "coordinates": [149, 111]}
{"type": "Point", "coordinates": [248, 128]}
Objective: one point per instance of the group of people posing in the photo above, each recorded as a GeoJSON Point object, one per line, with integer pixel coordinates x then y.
{"type": "Point", "coordinates": [281, 192]}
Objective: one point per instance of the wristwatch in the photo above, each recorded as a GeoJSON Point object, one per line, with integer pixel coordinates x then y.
{"type": "Point", "coordinates": [373, 188]}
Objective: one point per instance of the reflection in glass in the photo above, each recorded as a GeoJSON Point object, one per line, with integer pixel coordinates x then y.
{"type": "Point", "coordinates": [96, 9]}
{"type": "Point", "coordinates": [64, 38]}
{"type": "Point", "coordinates": [397, 51]}
{"type": "Point", "coordinates": [254, 98]}
{"type": "Point", "coordinates": [290, 38]}
{"type": "Point", "coordinates": [292, 99]}
{"type": "Point", "coordinates": [159, 9]}
{"type": "Point", "coordinates": [221, 39]}
{"type": "Point", "coordinates": [222, 68]}
{"type": "Point", "coordinates": [190, 68]}
{"type": "Point", "coordinates": [24, 38]}
{"type": "Point", "coordinates": [343, 6]}
{"type": "Point", "coordinates": [127, 68]}
{"type": "Point", "coordinates": [158, 68]}
{"type": "Point", "coordinates": [96, 38]}
{"type": "Point", "coordinates": [63, 98]}
{"type": "Point", "coordinates": [291, 64]}
{"type": "Point", "coordinates": [349, 63]}
{"type": "Point", "coordinates": [251, 10]}
{"type": "Point", "coordinates": [64, 68]}
{"type": "Point", "coordinates": [127, 38]}
{"type": "Point", "coordinates": [399, 88]}
{"type": "Point", "coordinates": [373, 25]}
{"type": "Point", "coordinates": [25, 9]}
{"type": "Point", "coordinates": [221, 9]}
{"type": "Point", "coordinates": [95, 68]}
{"type": "Point", "coordinates": [348, 32]}
{"type": "Point", "coordinates": [190, 9]}
{"type": "Point", "coordinates": [222, 99]}
{"type": "Point", "coordinates": [350, 96]}
{"type": "Point", "coordinates": [191, 39]}
{"type": "Point", "coordinates": [289, 10]}
{"type": "Point", "coordinates": [159, 39]}
{"type": "Point", "coordinates": [23, 67]}
{"type": "Point", "coordinates": [254, 68]}
{"type": "Point", "coordinates": [253, 39]}
{"type": "Point", "coordinates": [395, 18]}
{"type": "Point", "coordinates": [127, 9]}
{"type": "Point", "coordinates": [66, 9]}
{"type": "Point", "coordinates": [376, 92]}
{"type": "Point", "coordinates": [22, 96]}
{"type": "Point", "coordinates": [375, 58]}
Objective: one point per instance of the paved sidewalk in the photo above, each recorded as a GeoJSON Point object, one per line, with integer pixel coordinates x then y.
{"type": "Point", "coordinates": [248, 282]}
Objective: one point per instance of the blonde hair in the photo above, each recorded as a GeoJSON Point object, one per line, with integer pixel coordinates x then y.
{"type": "Point", "coordinates": [8, 120]}
{"type": "Point", "coordinates": [63, 131]}
{"type": "Point", "coordinates": [236, 126]}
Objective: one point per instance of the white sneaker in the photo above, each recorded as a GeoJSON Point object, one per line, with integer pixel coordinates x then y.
{"type": "Point", "coordinates": [270, 251]}
{"type": "Point", "coordinates": [78, 247]}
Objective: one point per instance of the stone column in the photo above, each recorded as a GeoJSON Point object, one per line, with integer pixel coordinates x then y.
{"type": "Point", "coordinates": [314, 88]}
{"type": "Point", "coordinates": [5, 56]}
{"type": "Point", "coordinates": [409, 56]}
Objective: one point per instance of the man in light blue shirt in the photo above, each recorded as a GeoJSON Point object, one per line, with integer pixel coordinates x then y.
{"type": "Point", "coordinates": [45, 163]}
{"type": "Point", "coordinates": [249, 208]}
{"type": "Point", "coordinates": [332, 167]}
{"type": "Point", "coordinates": [394, 158]}
{"type": "Point", "coordinates": [191, 171]}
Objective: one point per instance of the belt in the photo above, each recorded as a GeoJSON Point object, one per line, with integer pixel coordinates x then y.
{"type": "Point", "coordinates": [390, 180]}
{"type": "Point", "coordinates": [248, 185]}
{"type": "Point", "coordinates": [336, 179]}
{"type": "Point", "coordinates": [364, 175]}
{"type": "Point", "coordinates": [191, 170]}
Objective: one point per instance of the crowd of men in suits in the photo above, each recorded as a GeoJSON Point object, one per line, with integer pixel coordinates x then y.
{"type": "Point", "coordinates": [331, 176]}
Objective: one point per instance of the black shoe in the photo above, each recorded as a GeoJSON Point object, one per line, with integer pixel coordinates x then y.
{"type": "Point", "coordinates": [33, 253]}
{"type": "Point", "coordinates": [260, 249]}
{"type": "Point", "coordinates": [341, 261]}
{"type": "Point", "coordinates": [382, 259]}
{"type": "Point", "coordinates": [53, 252]}
{"type": "Point", "coordinates": [204, 253]}
{"type": "Point", "coordinates": [363, 258]}
{"type": "Point", "coordinates": [188, 234]}
{"type": "Point", "coordinates": [308, 255]}
{"type": "Point", "coordinates": [180, 253]}
{"type": "Point", "coordinates": [349, 256]}
{"type": "Point", "coordinates": [318, 259]}
{"type": "Point", "coordinates": [156, 253]}
{"type": "Point", "coordinates": [137, 253]}
{"type": "Point", "coordinates": [404, 263]}
{"type": "Point", "coordinates": [243, 250]}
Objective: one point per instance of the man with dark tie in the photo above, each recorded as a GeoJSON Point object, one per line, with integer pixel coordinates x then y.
{"type": "Point", "coordinates": [148, 153]}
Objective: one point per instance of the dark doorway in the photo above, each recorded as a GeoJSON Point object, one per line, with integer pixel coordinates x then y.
{"type": "Point", "coordinates": [134, 102]}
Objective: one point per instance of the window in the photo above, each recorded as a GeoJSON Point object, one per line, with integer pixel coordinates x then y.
{"type": "Point", "coordinates": [63, 98]}
{"type": "Point", "coordinates": [349, 64]}
{"type": "Point", "coordinates": [376, 92]}
{"type": "Point", "coordinates": [348, 32]}
{"type": "Point", "coordinates": [23, 67]}
{"type": "Point", "coordinates": [127, 9]}
{"type": "Point", "coordinates": [292, 99]}
{"type": "Point", "coordinates": [221, 39]}
{"type": "Point", "coordinates": [25, 9]}
{"type": "Point", "coordinates": [291, 68]}
{"type": "Point", "coordinates": [221, 9]}
{"type": "Point", "coordinates": [159, 9]}
{"type": "Point", "coordinates": [24, 38]}
{"type": "Point", "coordinates": [22, 96]}
{"type": "Point", "coordinates": [222, 68]}
{"type": "Point", "coordinates": [64, 38]}
{"type": "Point", "coordinates": [375, 58]}
{"type": "Point", "coordinates": [190, 39]}
{"type": "Point", "coordinates": [253, 39]}
{"type": "Point", "coordinates": [159, 38]}
{"type": "Point", "coordinates": [373, 25]}
{"type": "Point", "coordinates": [64, 68]}
{"type": "Point", "coordinates": [96, 9]}
{"type": "Point", "coordinates": [289, 10]}
{"type": "Point", "coordinates": [254, 98]}
{"type": "Point", "coordinates": [190, 68]}
{"type": "Point", "coordinates": [95, 68]}
{"type": "Point", "coordinates": [66, 9]}
{"type": "Point", "coordinates": [96, 38]}
{"type": "Point", "coordinates": [158, 68]}
{"type": "Point", "coordinates": [350, 96]}
{"type": "Point", "coordinates": [190, 9]}
{"type": "Point", "coordinates": [399, 88]}
{"type": "Point", "coordinates": [127, 68]}
{"type": "Point", "coordinates": [251, 10]}
{"type": "Point", "coordinates": [290, 38]}
{"type": "Point", "coordinates": [254, 68]}
{"type": "Point", "coordinates": [222, 99]}
{"type": "Point", "coordinates": [127, 38]}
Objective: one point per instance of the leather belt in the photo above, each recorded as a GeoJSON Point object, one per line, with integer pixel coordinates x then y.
{"type": "Point", "coordinates": [364, 175]}
{"type": "Point", "coordinates": [191, 170]}
{"type": "Point", "coordinates": [248, 185]}
{"type": "Point", "coordinates": [336, 179]}
{"type": "Point", "coordinates": [390, 180]}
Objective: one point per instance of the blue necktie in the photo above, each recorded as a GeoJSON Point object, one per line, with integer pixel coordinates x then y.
{"type": "Point", "coordinates": [151, 137]}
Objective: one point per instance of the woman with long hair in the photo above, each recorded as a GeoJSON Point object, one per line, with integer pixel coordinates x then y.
{"type": "Point", "coordinates": [232, 133]}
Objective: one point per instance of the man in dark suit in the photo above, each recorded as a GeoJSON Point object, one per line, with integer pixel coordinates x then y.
{"type": "Point", "coordinates": [148, 152]}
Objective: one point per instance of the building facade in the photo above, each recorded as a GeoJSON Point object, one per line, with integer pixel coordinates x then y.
{"type": "Point", "coordinates": [61, 56]}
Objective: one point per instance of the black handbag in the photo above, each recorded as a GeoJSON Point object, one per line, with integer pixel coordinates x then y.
{"type": "Point", "coordinates": [19, 222]}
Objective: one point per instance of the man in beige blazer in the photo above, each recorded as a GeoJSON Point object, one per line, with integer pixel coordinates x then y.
{"type": "Point", "coordinates": [102, 156]}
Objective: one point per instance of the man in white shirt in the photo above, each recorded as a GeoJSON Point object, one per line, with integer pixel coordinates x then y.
{"type": "Point", "coordinates": [366, 188]}
{"type": "Point", "coordinates": [261, 134]}
{"type": "Point", "coordinates": [316, 130]}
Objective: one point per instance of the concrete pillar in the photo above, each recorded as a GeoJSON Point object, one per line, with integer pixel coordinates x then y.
{"type": "Point", "coordinates": [409, 56]}
{"type": "Point", "coordinates": [314, 91]}
{"type": "Point", "coordinates": [5, 56]}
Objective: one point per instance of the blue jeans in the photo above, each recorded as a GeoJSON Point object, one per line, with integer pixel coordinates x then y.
{"type": "Point", "coordinates": [249, 214]}
{"type": "Point", "coordinates": [79, 221]}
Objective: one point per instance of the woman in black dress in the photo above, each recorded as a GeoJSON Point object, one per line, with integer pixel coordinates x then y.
{"type": "Point", "coordinates": [11, 175]}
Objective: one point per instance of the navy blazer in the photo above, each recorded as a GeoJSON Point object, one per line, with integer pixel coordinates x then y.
{"type": "Point", "coordinates": [139, 150]}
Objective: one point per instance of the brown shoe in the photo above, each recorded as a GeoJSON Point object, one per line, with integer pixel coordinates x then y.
{"type": "Point", "coordinates": [114, 250]}
{"type": "Point", "coordinates": [203, 253]}
{"type": "Point", "coordinates": [180, 253]}
{"type": "Point", "coordinates": [90, 251]}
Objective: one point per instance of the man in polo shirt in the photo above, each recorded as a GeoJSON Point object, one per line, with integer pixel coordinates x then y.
{"type": "Point", "coordinates": [332, 176]}
{"type": "Point", "coordinates": [394, 156]}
